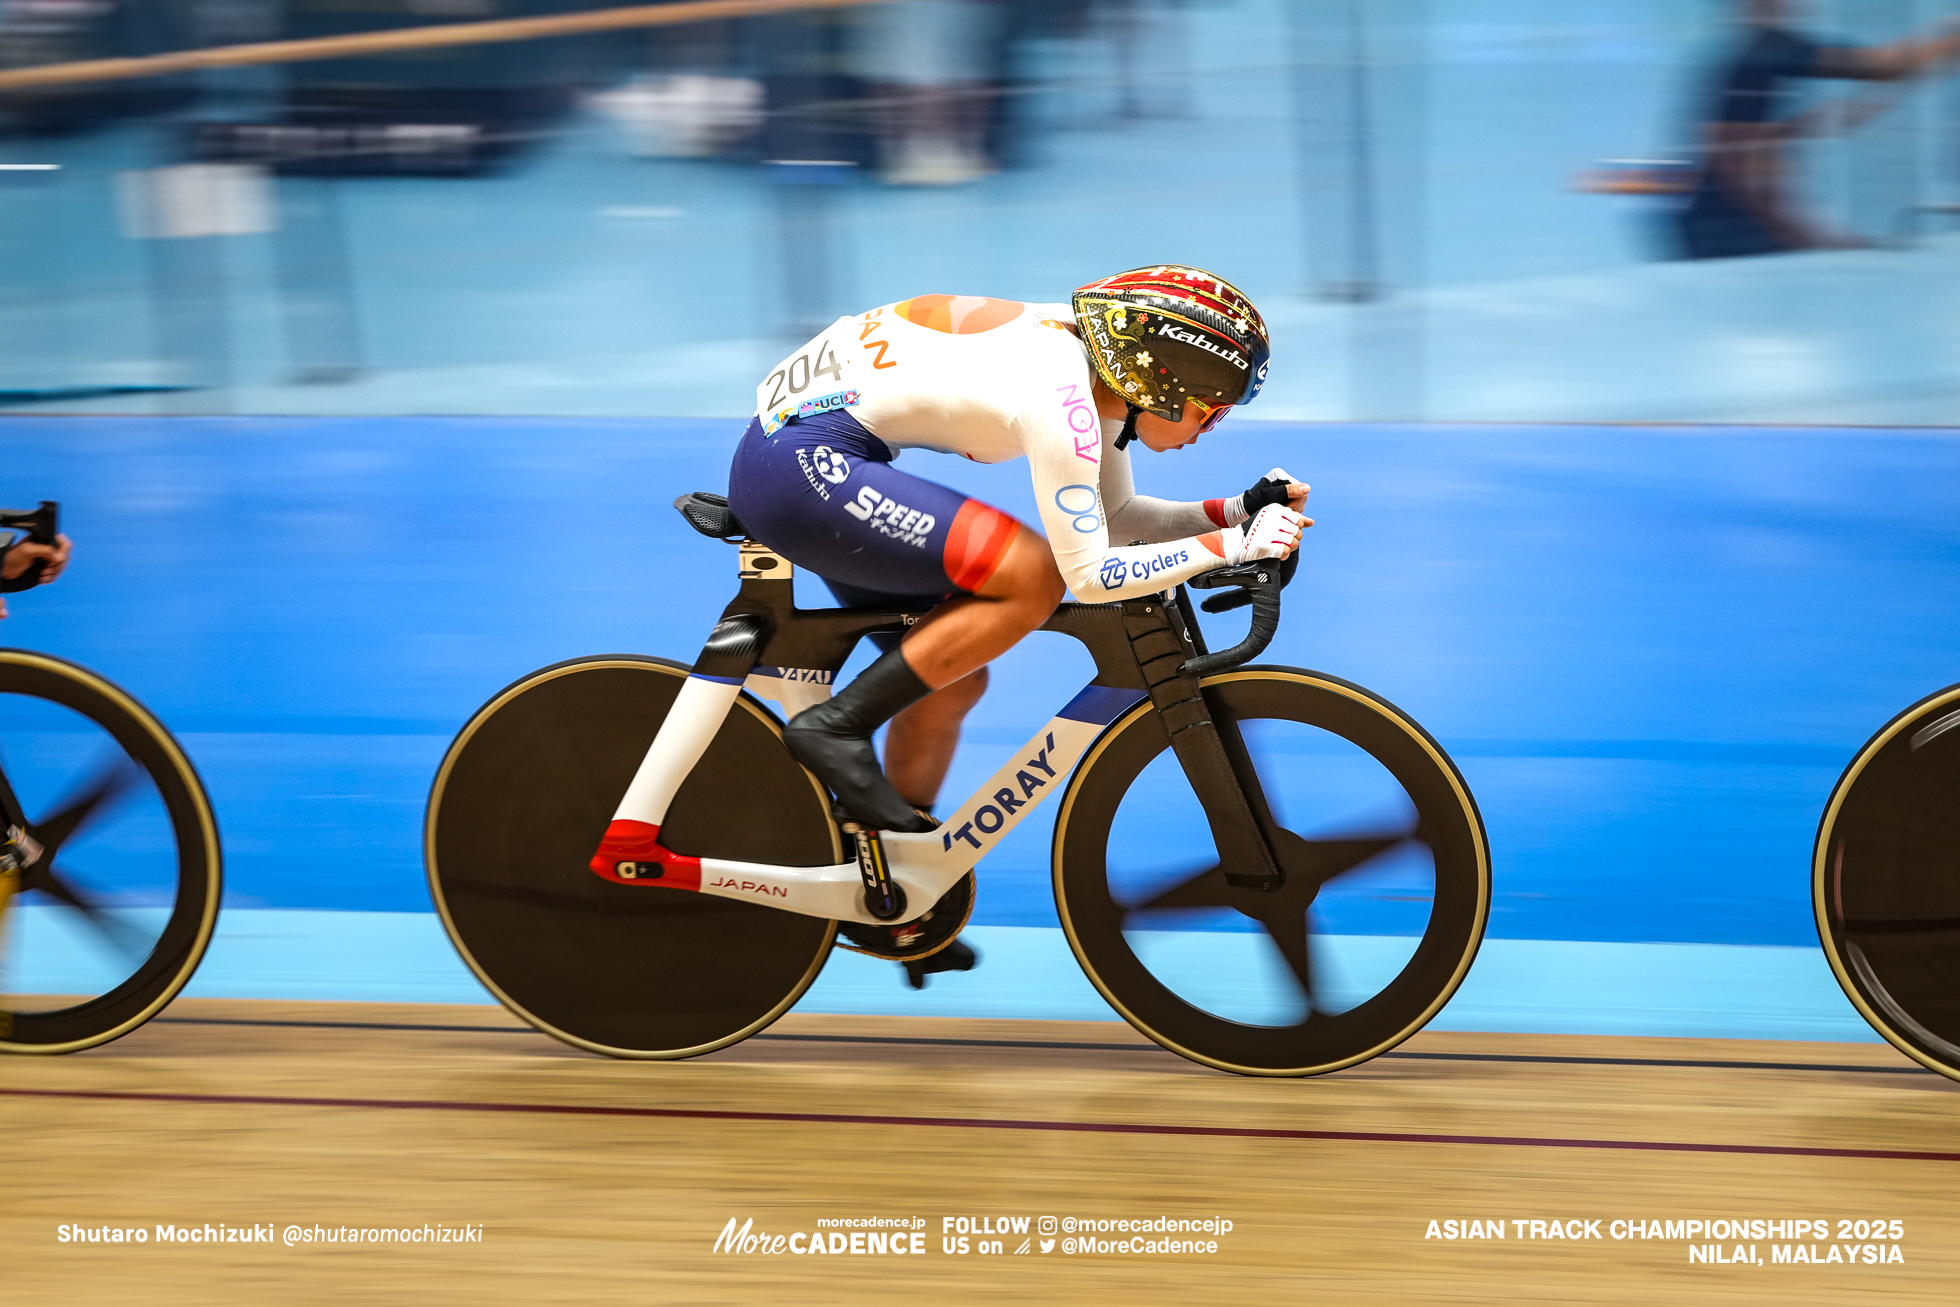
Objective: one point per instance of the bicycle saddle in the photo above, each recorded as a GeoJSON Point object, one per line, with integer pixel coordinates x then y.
{"type": "Point", "coordinates": [709, 514]}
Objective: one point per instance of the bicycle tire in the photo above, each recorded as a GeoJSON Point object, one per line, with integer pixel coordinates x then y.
{"type": "Point", "coordinates": [521, 801]}
{"type": "Point", "coordinates": [1885, 881]}
{"type": "Point", "coordinates": [1447, 823]}
{"type": "Point", "coordinates": [198, 873]}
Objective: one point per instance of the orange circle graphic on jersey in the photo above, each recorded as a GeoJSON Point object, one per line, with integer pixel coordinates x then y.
{"type": "Point", "coordinates": [959, 315]}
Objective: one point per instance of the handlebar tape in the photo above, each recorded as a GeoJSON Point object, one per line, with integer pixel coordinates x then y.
{"type": "Point", "coordinates": [1260, 584]}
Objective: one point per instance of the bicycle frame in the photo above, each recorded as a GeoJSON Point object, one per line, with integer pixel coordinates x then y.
{"type": "Point", "coordinates": [766, 645]}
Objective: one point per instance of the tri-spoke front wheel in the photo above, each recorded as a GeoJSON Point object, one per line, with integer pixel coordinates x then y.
{"type": "Point", "coordinates": [109, 864]}
{"type": "Point", "coordinates": [1385, 893]}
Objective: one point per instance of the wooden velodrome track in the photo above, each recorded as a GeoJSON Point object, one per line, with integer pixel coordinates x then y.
{"type": "Point", "coordinates": [603, 1181]}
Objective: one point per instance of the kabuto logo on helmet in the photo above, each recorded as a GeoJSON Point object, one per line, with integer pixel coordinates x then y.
{"type": "Point", "coordinates": [1172, 330]}
{"type": "Point", "coordinates": [1163, 333]}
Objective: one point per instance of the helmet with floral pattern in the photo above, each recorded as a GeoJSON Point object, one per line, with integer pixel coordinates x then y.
{"type": "Point", "coordinates": [1160, 336]}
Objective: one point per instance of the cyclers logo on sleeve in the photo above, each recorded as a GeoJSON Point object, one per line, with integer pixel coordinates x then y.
{"type": "Point", "coordinates": [1140, 569]}
{"type": "Point", "coordinates": [889, 517]}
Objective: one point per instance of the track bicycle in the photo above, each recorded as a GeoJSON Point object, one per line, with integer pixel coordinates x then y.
{"type": "Point", "coordinates": [1885, 881]}
{"type": "Point", "coordinates": [1267, 870]}
{"type": "Point", "coordinates": [110, 866]}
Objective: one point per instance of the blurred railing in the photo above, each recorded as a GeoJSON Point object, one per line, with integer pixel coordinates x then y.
{"type": "Point", "coordinates": [556, 206]}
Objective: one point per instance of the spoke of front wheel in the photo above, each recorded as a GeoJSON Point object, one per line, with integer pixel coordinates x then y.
{"type": "Point", "coordinates": [1282, 913]}
{"type": "Point", "coordinates": [126, 939]}
{"type": "Point", "coordinates": [10, 809]}
{"type": "Point", "coordinates": [91, 800]}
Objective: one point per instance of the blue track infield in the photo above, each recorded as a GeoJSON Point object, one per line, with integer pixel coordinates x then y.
{"type": "Point", "coordinates": [1707, 991]}
{"type": "Point", "coordinates": [1649, 649]}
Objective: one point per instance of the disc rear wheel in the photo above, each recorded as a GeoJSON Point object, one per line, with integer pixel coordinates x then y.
{"type": "Point", "coordinates": [519, 805]}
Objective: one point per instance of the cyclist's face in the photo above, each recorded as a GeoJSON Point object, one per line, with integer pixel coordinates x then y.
{"type": "Point", "coordinates": [1161, 434]}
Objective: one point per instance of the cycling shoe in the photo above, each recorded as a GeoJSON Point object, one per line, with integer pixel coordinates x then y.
{"type": "Point", "coordinates": [833, 739]}
{"type": "Point", "coordinates": [848, 765]}
{"type": "Point", "coordinates": [954, 957]}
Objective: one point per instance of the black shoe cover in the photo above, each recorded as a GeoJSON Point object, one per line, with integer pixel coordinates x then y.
{"type": "Point", "coordinates": [833, 740]}
{"type": "Point", "coordinates": [954, 957]}
{"type": "Point", "coordinates": [850, 768]}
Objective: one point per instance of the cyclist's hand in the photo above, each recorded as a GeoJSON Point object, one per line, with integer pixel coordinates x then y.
{"type": "Point", "coordinates": [1274, 533]}
{"type": "Point", "coordinates": [1276, 487]}
{"type": "Point", "coordinates": [25, 553]}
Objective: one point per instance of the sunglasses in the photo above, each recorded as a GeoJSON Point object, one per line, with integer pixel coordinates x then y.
{"type": "Point", "coordinates": [1213, 413]}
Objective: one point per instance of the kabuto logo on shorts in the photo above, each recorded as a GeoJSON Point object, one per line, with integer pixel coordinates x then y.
{"type": "Point", "coordinates": [831, 465]}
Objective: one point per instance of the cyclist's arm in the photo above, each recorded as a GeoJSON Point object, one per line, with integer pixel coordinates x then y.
{"type": "Point", "coordinates": [1886, 63]}
{"type": "Point", "coordinates": [1069, 496]}
{"type": "Point", "coordinates": [1131, 516]}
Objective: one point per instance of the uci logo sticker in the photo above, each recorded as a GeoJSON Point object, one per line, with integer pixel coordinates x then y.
{"type": "Point", "coordinates": [831, 465]}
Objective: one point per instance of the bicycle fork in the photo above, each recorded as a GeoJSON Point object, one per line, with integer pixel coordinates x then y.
{"type": "Point", "coordinates": [1212, 754]}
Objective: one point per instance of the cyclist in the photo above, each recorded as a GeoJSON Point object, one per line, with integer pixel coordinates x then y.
{"type": "Point", "coordinates": [1746, 199]}
{"type": "Point", "coordinates": [18, 555]}
{"type": "Point", "coordinates": [1155, 356]}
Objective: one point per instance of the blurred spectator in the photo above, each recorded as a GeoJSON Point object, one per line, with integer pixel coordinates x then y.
{"type": "Point", "coordinates": [694, 105]}
{"type": "Point", "coordinates": [931, 68]}
{"type": "Point", "coordinates": [1744, 199]}
{"type": "Point", "coordinates": [684, 115]}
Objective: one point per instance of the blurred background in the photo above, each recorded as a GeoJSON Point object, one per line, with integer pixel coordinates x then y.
{"type": "Point", "coordinates": [1466, 211]}
{"type": "Point", "coordinates": [407, 353]}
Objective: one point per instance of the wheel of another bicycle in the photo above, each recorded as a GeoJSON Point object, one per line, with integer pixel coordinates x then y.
{"type": "Point", "coordinates": [1885, 878]}
{"type": "Point", "coordinates": [115, 913]}
{"type": "Point", "coordinates": [1386, 891]}
{"type": "Point", "coordinates": [517, 809]}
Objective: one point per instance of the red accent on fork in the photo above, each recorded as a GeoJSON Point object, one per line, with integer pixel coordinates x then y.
{"type": "Point", "coordinates": [639, 841]}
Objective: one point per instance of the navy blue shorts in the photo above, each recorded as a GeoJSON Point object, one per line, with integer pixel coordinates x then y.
{"type": "Point", "coordinates": [823, 493]}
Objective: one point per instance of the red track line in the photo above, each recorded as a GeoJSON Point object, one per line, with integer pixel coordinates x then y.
{"type": "Point", "coordinates": [979, 1123]}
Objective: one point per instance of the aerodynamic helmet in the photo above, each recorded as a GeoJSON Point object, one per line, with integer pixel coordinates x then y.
{"type": "Point", "coordinates": [1159, 336]}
